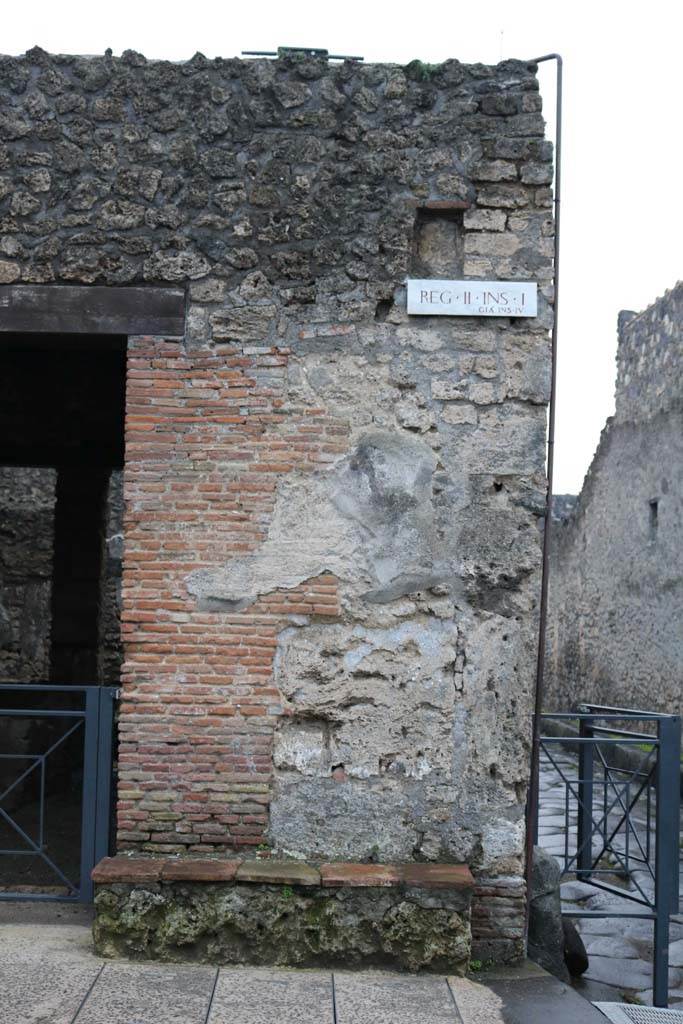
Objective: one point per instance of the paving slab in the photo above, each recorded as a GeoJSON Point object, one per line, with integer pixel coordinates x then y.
{"type": "Point", "coordinates": [476, 1003]}
{"type": "Point", "coordinates": [596, 991]}
{"type": "Point", "coordinates": [30, 942]}
{"type": "Point", "coordinates": [50, 975]}
{"type": "Point", "coordinates": [675, 998]}
{"type": "Point", "coordinates": [606, 945]}
{"type": "Point", "coordinates": [263, 996]}
{"type": "Point", "coordinates": [625, 974]}
{"type": "Point", "coordinates": [47, 992]}
{"type": "Point", "coordinates": [149, 994]}
{"type": "Point", "coordinates": [555, 846]}
{"type": "Point", "coordinates": [27, 912]}
{"type": "Point", "coordinates": [521, 1000]}
{"type": "Point", "coordinates": [363, 998]}
{"type": "Point", "coordinates": [47, 964]}
{"type": "Point", "coordinates": [575, 890]}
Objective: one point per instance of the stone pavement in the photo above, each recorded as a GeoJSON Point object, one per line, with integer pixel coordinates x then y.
{"type": "Point", "coordinates": [620, 951]}
{"type": "Point", "coordinates": [49, 975]}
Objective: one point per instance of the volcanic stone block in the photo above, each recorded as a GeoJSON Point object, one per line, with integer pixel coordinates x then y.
{"type": "Point", "coordinates": [297, 925]}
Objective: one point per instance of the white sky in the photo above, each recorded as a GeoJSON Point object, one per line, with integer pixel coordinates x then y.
{"type": "Point", "coordinates": [622, 220]}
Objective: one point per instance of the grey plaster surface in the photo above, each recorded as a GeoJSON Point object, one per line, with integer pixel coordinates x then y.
{"type": "Point", "coordinates": [50, 975]}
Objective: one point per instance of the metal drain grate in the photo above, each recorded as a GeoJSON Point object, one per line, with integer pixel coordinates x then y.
{"type": "Point", "coordinates": [627, 1013]}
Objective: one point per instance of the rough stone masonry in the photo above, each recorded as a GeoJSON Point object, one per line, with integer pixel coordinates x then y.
{"type": "Point", "coordinates": [616, 592]}
{"type": "Point", "coordinates": [332, 509]}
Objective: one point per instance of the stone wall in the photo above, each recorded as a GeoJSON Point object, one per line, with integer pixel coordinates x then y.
{"type": "Point", "coordinates": [27, 503]}
{"type": "Point", "coordinates": [616, 592]}
{"type": "Point", "coordinates": [332, 544]}
{"type": "Point", "coordinates": [27, 524]}
{"type": "Point", "coordinates": [110, 647]}
{"type": "Point", "coordinates": [650, 360]}
{"type": "Point", "coordinates": [27, 500]}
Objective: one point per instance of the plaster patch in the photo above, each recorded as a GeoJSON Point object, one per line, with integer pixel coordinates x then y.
{"type": "Point", "coordinates": [369, 519]}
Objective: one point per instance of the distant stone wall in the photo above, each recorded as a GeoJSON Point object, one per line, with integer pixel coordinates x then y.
{"type": "Point", "coordinates": [650, 359]}
{"type": "Point", "coordinates": [616, 585]}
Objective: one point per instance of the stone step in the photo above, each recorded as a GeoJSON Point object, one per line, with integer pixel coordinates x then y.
{"type": "Point", "coordinates": [269, 912]}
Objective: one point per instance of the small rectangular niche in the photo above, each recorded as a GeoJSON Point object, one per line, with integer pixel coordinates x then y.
{"type": "Point", "coordinates": [653, 518]}
{"type": "Point", "coordinates": [438, 244]}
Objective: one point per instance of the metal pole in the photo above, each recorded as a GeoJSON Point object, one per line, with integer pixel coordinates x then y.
{"type": "Point", "coordinates": [584, 825]}
{"type": "Point", "coordinates": [666, 852]}
{"type": "Point", "coordinates": [89, 797]}
{"type": "Point", "coordinates": [104, 765]}
{"type": "Point", "coordinates": [532, 801]}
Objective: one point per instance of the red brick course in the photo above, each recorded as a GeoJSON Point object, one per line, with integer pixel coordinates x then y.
{"type": "Point", "coordinates": [208, 435]}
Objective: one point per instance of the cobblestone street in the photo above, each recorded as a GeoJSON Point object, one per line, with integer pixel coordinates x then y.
{"type": "Point", "coordinates": [620, 951]}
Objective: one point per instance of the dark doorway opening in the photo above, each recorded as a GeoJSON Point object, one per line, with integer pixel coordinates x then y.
{"type": "Point", "coordinates": [61, 506]}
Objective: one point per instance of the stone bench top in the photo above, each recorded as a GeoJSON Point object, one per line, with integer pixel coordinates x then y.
{"type": "Point", "coordinates": [138, 870]}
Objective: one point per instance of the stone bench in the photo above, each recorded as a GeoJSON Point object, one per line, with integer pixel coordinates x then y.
{"type": "Point", "coordinates": [414, 916]}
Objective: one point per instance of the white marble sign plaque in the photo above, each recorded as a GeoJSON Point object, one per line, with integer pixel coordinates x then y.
{"type": "Point", "coordinates": [472, 298]}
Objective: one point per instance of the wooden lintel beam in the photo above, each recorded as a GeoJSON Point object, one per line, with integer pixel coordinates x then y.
{"type": "Point", "coordinates": [92, 309]}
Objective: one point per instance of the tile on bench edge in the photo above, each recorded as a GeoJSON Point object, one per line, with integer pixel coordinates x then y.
{"type": "Point", "coordinates": [199, 870]}
{"type": "Point", "coordinates": [359, 874]}
{"type": "Point", "coordinates": [418, 876]}
{"type": "Point", "coordinates": [437, 876]}
{"type": "Point", "coordinates": [274, 872]}
{"type": "Point", "coordinates": [127, 869]}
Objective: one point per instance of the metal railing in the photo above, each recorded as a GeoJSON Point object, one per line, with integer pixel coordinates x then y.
{"type": "Point", "coordinates": [627, 813]}
{"type": "Point", "coordinates": [92, 723]}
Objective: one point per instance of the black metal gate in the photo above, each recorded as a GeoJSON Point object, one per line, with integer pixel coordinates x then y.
{"type": "Point", "coordinates": [622, 785]}
{"type": "Point", "coordinates": [55, 789]}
